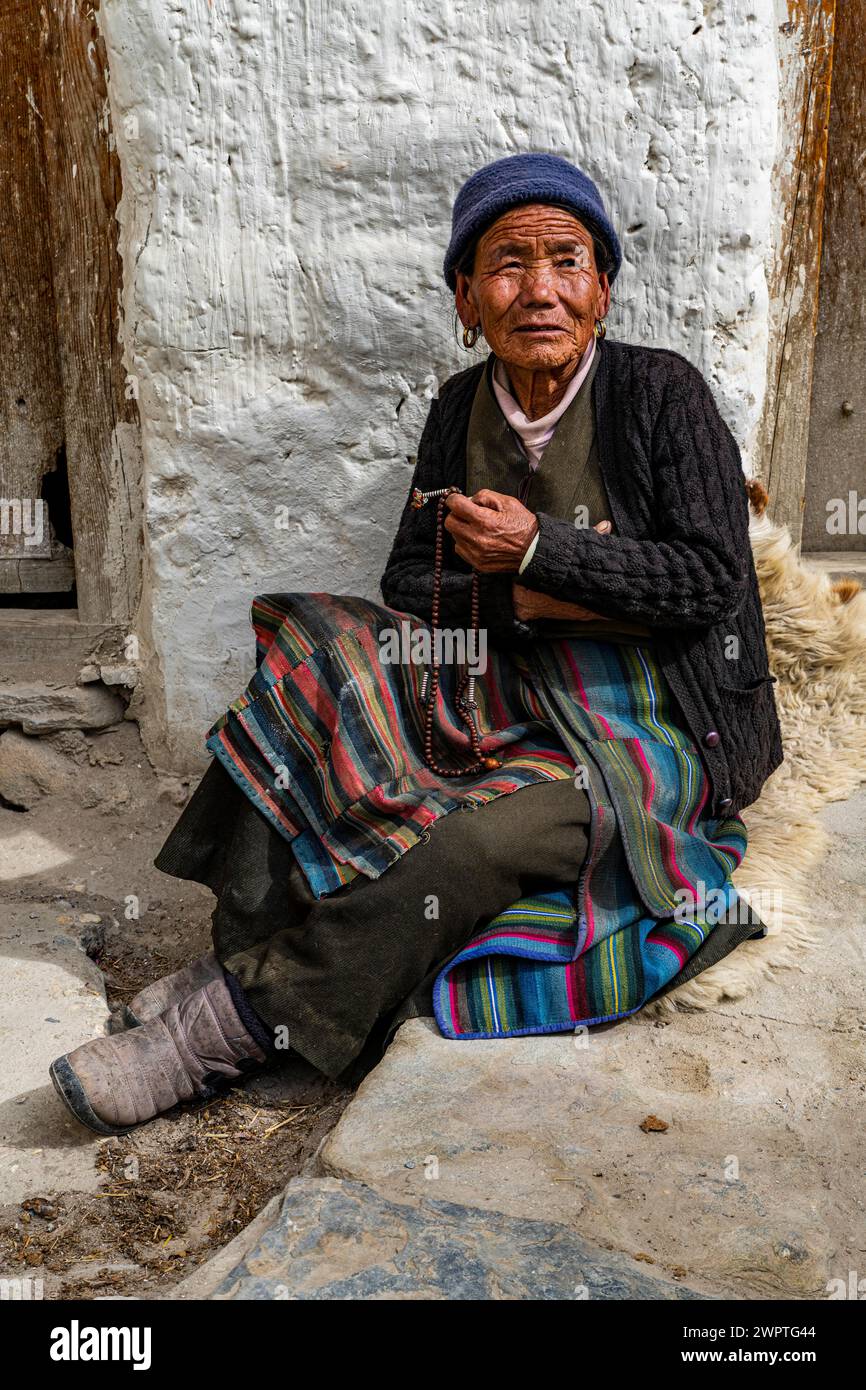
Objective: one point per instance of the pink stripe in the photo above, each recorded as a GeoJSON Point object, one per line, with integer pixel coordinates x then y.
{"type": "Point", "coordinates": [371, 651]}
{"type": "Point", "coordinates": [665, 833]}
{"type": "Point", "coordinates": [575, 671]}
{"type": "Point", "coordinates": [499, 716]}
{"type": "Point", "coordinates": [636, 753]}
{"type": "Point", "coordinates": [674, 947]}
{"type": "Point", "coordinates": [283, 700]}
{"type": "Point", "coordinates": [700, 806]}
{"type": "Point", "coordinates": [276, 663]}
{"type": "Point", "coordinates": [735, 850]}
{"type": "Point", "coordinates": [587, 896]}
{"type": "Point", "coordinates": [516, 936]}
{"type": "Point", "coordinates": [452, 1000]}
{"type": "Point", "coordinates": [247, 771]}
{"type": "Point", "coordinates": [669, 856]}
{"type": "Point", "coordinates": [569, 992]}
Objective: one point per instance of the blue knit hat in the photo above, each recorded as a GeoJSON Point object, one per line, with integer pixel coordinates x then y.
{"type": "Point", "coordinates": [526, 178]}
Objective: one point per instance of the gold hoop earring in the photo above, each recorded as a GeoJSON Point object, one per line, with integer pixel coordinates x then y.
{"type": "Point", "coordinates": [470, 336]}
{"type": "Point", "coordinates": [600, 328]}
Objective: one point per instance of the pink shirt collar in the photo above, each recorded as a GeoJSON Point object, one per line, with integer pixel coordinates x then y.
{"type": "Point", "coordinates": [536, 434]}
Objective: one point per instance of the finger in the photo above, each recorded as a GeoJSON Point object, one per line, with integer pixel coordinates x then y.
{"type": "Point", "coordinates": [467, 553]}
{"type": "Point", "coordinates": [603, 527]}
{"type": "Point", "coordinates": [458, 505]}
{"type": "Point", "coordinates": [460, 530]}
{"type": "Point", "coordinates": [477, 522]}
{"type": "Point", "coordinates": [487, 498]}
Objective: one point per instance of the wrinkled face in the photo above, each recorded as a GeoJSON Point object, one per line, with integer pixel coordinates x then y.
{"type": "Point", "coordinates": [535, 287]}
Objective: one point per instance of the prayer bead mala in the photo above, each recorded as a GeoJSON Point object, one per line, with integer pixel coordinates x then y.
{"type": "Point", "coordinates": [464, 697]}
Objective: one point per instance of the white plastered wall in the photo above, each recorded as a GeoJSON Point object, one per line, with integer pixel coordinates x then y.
{"type": "Point", "coordinates": [289, 168]}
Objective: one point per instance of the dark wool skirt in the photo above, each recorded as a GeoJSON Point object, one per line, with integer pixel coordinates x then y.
{"type": "Point", "coordinates": [340, 972]}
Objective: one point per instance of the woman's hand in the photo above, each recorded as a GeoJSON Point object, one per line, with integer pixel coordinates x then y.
{"type": "Point", "coordinates": [491, 530]}
{"type": "Point", "coordinates": [529, 605]}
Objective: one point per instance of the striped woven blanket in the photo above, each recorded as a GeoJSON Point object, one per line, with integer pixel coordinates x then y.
{"type": "Point", "coordinates": [526, 974]}
{"type": "Point", "coordinates": [327, 740]}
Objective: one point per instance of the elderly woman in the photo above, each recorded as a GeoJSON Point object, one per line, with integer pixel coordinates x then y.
{"type": "Point", "coordinates": [534, 829]}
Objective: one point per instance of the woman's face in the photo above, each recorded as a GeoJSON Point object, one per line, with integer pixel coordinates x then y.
{"type": "Point", "coordinates": [534, 287]}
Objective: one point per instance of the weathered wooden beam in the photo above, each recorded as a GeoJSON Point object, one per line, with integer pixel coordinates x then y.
{"type": "Point", "coordinates": [101, 420]}
{"type": "Point", "coordinates": [31, 407]}
{"type": "Point", "coordinates": [806, 53]}
{"type": "Point", "coordinates": [53, 637]}
{"type": "Point", "coordinates": [837, 428]}
{"type": "Point", "coordinates": [838, 564]}
{"type": "Point", "coordinates": [53, 576]}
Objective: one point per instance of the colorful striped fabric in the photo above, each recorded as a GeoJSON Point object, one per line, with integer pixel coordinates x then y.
{"type": "Point", "coordinates": [524, 974]}
{"type": "Point", "coordinates": [327, 740]}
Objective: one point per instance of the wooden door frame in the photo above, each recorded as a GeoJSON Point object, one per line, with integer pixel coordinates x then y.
{"type": "Point", "coordinates": [102, 433]}
{"type": "Point", "coordinates": [807, 40]}
{"type": "Point", "coordinates": [837, 437]}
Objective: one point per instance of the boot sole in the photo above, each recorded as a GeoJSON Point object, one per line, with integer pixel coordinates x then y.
{"type": "Point", "coordinates": [71, 1092]}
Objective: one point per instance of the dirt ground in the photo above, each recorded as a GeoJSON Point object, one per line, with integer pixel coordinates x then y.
{"type": "Point", "coordinates": [174, 1191]}
{"type": "Point", "coordinates": [775, 1080]}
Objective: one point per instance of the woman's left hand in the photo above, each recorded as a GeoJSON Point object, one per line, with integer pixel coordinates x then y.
{"type": "Point", "coordinates": [530, 605]}
{"type": "Point", "coordinates": [491, 530]}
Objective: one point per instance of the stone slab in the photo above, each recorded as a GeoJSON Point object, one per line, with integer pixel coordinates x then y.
{"type": "Point", "coordinates": [43, 709]}
{"type": "Point", "coordinates": [30, 769]}
{"type": "Point", "coordinates": [755, 1189]}
{"type": "Point", "coordinates": [335, 1240]}
{"type": "Point", "coordinates": [52, 999]}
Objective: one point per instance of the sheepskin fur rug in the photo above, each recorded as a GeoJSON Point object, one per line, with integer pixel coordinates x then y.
{"type": "Point", "coordinates": [816, 638]}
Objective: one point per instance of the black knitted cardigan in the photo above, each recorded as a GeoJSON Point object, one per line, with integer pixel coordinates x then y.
{"type": "Point", "coordinates": [679, 559]}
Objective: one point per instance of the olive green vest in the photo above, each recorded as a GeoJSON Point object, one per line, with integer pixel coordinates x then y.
{"type": "Point", "coordinates": [569, 476]}
{"type": "Point", "coordinates": [567, 484]}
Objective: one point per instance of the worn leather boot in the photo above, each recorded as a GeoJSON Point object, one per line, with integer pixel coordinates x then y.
{"type": "Point", "coordinates": [190, 1050]}
{"type": "Point", "coordinates": [154, 999]}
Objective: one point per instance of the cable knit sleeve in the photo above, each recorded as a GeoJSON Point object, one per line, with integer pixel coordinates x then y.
{"type": "Point", "coordinates": [407, 583]}
{"type": "Point", "coordinates": [695, 571]}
